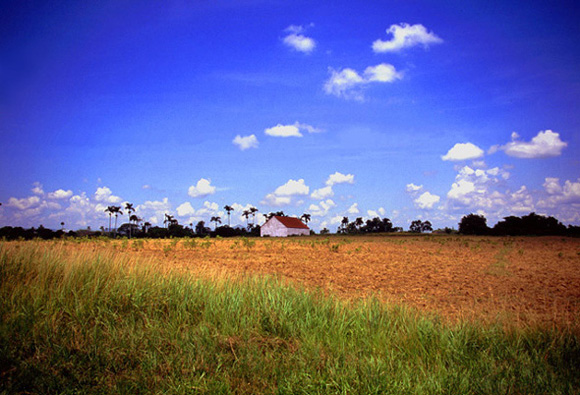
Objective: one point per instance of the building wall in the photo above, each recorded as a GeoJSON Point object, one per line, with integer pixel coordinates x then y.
{"type": "Point", "coordinates": [298, 232]}
{"type": "Point", "coordinates": [275, 228]}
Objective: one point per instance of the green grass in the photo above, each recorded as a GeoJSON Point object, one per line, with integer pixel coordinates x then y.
{"type": "Point", "coordinates": [82, 321]}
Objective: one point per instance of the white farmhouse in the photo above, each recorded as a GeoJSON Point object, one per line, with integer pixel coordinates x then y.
{"type": "Point", "coordinates": [283, 227]}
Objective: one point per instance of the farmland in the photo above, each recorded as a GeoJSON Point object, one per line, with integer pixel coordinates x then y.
{"type": "Point", "coordinates": [384, 314]}
{"type": "Point", "coordinates": [514, 280]}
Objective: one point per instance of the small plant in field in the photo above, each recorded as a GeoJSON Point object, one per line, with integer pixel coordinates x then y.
{"type": "Point", "coordinates": [247, 243]}
{"type": "Point", "coordinates": [205, 244]}
{"type": "Point", "coordinates": [560, 254]}
{"type": "Point", "coordinates": [167, 249]}
{"type": "Point", "coordinates": [334, 247]}
{"type": "Point", "coordinates": [190, 243]}
{"type": "Point", "coordinates": [124, 244]}
{"type": "Point", "coordinates": [137, 245]}
{"type": "Point", "coordinates": [174, 242]}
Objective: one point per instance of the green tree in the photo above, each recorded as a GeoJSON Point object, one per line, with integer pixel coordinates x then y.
{"type": "Point", "coordinates": [305, 217]}
{"type": "Point", "coordinates": [473, 224]}
{"type": "Point", "coordinates": [216, 220]}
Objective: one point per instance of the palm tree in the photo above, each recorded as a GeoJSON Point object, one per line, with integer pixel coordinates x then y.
{"type": "Point", "coordinates": [109, 210]}
{"type": "Point", "coordinates": [116, 211]}
{"type": "Point", "coordinates": [246, 214]}
{"type": "Point", "coordinates": [62, 224]}
{"type": "Point", "coordinates": [229, 209]}
{"type": "Point", "coordinates": [253, 210]}
{"type": "Point", "coordinates": [130, 209]}
{"type": "Point", "coordinates": [134, 219]}
{"type": "Point", "coordinates": [216, 220]}
{"type": "Point", "coordinates": [168, 220]}
{"type": "Point", "coordinates": [305, 217]}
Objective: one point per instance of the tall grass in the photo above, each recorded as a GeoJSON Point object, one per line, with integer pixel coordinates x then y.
{"type": "Point", "coordinates": [83, 320]}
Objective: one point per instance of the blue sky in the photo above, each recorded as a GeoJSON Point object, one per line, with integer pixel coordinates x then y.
{"type": "Point", "coordinates": [398, 109]}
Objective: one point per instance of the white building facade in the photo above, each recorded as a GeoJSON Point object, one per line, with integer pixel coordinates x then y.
{"type": "Point", "coordinates": [283, 227]}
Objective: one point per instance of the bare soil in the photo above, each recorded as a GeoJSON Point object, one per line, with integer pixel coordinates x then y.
{"type": "Point", "coordinates": [515, 281]}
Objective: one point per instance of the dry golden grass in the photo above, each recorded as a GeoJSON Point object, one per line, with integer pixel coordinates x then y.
{"type": "Point", "coordinates": [516, 281]}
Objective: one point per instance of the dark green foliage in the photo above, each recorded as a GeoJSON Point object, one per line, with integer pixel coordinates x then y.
{"type": "Point", "coordinates": [473, 224]}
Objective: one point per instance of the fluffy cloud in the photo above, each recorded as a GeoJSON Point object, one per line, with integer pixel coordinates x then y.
{"type": "Point", "coordinates": [290, 130]}
{"type": "Point", "coordinates": [322, 193]}
{"type": "Point", "coordinates": [412, 188]}
{"type": "Point", "coordinates": [353, 209]}
{"type": "Point", "coordinates": [37, 189]}
{"type": "Point", "coordinates": [282, 196]}
{"type": "Point", "coordinates": [60, 194]}
{"type": "Point", "coordinates": [376, 213]}
{"type": "Point", "coordinates": [154, 210]}
{"type": "Point", "coordinates": [545, 144]}
{"type": "Point", "coordinates": [276, 201]}
{"type": "Point", "coordinates": [201, 189]}
{"type": "Point", "coordinates": [406, 36]}
{"type": "Point", "coordinates": [463, 151]}
{"type": "Point", "coordinates": [185, 209]}
{"type": "Point", "coordinates": [246, 142]}
{"type": "Point", "coordinates": [346, 82]}
{"type": "Point", "coordinates": [104, 194]}
{"type": "Point", "coordinates": [477, 189]}
{"type": "Point", "coordinates": [339, 178]}
{"type": "Point", "coordinates": [426, 200]}
{"type": "Point", "coordinates": [321, 209]}
{"type": "Point", "coordinates": [298, 41]}
{"type": "Point", "coordinates": [24, 203]}
{"type": "Point", "coordinates": [292, 187]}
{"type": "Point", "coordinates": [569, 193]}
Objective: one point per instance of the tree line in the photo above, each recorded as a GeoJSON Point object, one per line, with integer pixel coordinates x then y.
{"type": "Point", "coordinates": [528, 225]}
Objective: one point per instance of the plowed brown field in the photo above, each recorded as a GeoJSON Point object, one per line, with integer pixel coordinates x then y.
{"type": "Point", "coordinates": [510, 280]}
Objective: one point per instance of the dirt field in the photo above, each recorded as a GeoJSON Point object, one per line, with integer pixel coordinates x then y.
{"type": "Point", "coordinates": [511, 280]}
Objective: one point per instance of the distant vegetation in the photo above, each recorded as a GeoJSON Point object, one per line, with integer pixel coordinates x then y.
{"type": "Point", "coordinates": [472, 224]}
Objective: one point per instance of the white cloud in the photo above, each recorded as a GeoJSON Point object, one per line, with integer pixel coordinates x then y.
{"type": "Point", "coordinates": [201, 189]}
{"type": "Point", "coordinates": [339, 178]}
{"type": "Point", "coordinates": [322, 208]}
{"type": "Point", "coordinates": [463, 151]}
{"type": "Point", "coordinates": [290, 130]}
{"type": "Point", "coordinates": [37, 189]}
{"type": "Point", "coordinates": [426, 200]}
{"type": "Point", "coordinates": [24, 203]}
{"type": "Point", "coordinates": [568, 194]}
{"type": "Point", "coordinates": [412, 188]}
{"type": "Point", "coordinates": [545, 144]}
{"type": "Point", "coordinates": [246, 142]}
{"type": "Point", "coordinates": [298, 41]}
{"type": "Point", "coordinates": [292, 187]}
{"type": "Point", "coordinates": [376, 213]}
{"type": "Point", "coordinates": [185, 209]}
{"type": "Point", "coordinates": [406, 36]}
{"type": "Point", "coordinates": [382, 73]}
{"type": "Point", "coordinates": [353, 209]}
{"type": "Point", "coordinates": [60, 194]}
{"type": "Point", "coordinates": [322, 193]}
{"type": "Point", "coordinates": [104, 194]}
{"type": "Point", "coordinates": [282, 196]}
{"type": "Point", "coordinates": [346, 82]}
{"type": "Point", "coordinates": [277, 201]}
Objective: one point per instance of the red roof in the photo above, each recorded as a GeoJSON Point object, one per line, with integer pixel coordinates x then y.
{"type": "Point", "coordinates": [291, 222]}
